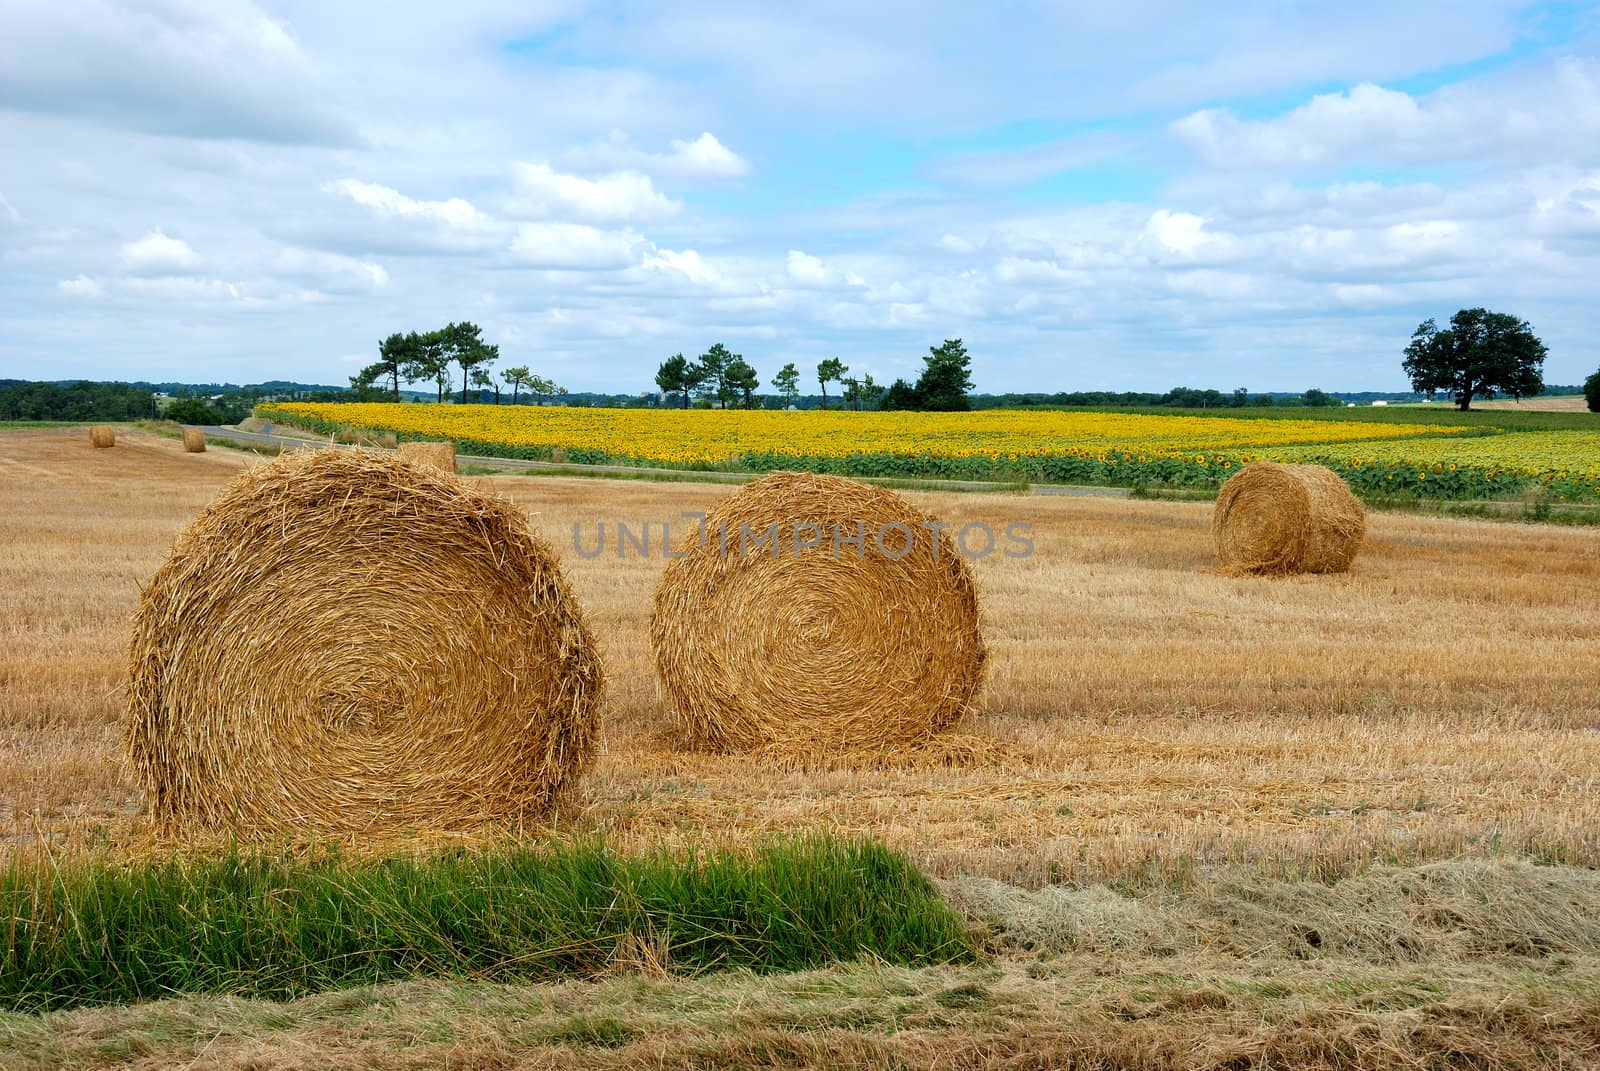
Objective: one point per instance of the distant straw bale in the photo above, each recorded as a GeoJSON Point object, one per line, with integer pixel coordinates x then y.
{"type": "Point", "coordinates": [345, 642]}
{"type": "Point", "coordinates": [102, 436]}
{"type": "Point", "coordinates": [814, 643]}
{"type": "Point", "coordinates": [1272, 519]}
{"type": "Point", "coordinates": [438, 455]}
{"type": "Point", "coordinates": [194, 440]}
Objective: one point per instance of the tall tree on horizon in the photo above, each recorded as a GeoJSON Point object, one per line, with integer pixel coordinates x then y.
{"type": "Point", "coordinates": [714, 365]}
{"type": "Point", "coordinates": [678, 374]}
{"type": "Point", "coordinates": [516, 378]}
{"type": "Point", "coordinates": [362, 382]}
{"type": "Point", "coordinates": [427, 361]}
{"type": "Point", "coordinates": [743, 378]}
{"type": "Point", "coordinates": [787, 381]}
{"type": "Point", "coordinates": [483, 380]}
{"type": "Point", "coordinates": [946, 378]}
{"type": "Point", "coordinates": [828, 371]}
{"type": "Point", "coordinates": [394, 353]}
{"type": "Point", "coordinates": [1480, 353]}
{"type": "Point", "coordinates": [463, 344]}
{"type": "Point", "coordinates": [862, 392]}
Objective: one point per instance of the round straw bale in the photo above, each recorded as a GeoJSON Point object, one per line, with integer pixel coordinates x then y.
{"type": "Point", "coordinates": [438, 455]}
{"type": "Point", "coordinates": [194, 440]}
{"type": "Point", "coordinates": [349, 643]}
{"type": "Point", "coordinates": [102, 436]}
{"type": "Point", "coordinates": [842, 645]}
{"type": "Point", "coordinates": [1274, 519]}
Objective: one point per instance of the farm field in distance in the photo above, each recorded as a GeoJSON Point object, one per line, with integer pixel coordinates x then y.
{"type": "Point", "coordinates": [1383, 451]}
{"type": "Point", "coordinates": [1320, 821]}
{"type": "Point", "coordinates": [1555, 403]}
{"type": "Point", "coordinates": [1323, 821]}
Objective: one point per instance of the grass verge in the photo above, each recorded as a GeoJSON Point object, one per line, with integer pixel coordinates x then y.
{"type": "Point", "coordinates": [1450, 966]}
{"type": "Point", "coordinates": [92, 931]}
{"type": "Point", "coordinates": [168, 429]}
{"type": "Point", "coordinates": [1536, 511]}
{"type": "Point", "coordinates": [899, 483]}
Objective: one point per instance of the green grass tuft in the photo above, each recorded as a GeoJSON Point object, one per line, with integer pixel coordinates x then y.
{"type": "Point", "coordinates": [93, 931]}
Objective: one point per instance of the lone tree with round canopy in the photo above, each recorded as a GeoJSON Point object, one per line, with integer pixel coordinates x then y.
{"type": "Point", "coordinates": [1480, 354]}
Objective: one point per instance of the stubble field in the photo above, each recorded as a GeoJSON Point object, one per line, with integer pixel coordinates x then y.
{"type": "Point", "coordinates": [1148, 725]}
{"type": "Point", "coordinates": [1141, 712]}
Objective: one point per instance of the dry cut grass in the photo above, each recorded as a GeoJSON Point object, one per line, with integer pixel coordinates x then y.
{"type": "Point", "coordinates": [1144, 717]}
{"type": "Point", "coordinates": [1457, 965]}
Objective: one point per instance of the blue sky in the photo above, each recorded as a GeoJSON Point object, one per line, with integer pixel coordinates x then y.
{"type": "Point", "coordinates": [1119, 197]}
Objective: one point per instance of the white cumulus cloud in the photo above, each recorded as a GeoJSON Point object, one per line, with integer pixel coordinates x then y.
{"type": "Point", "coordinates": [81, 286]}
{"type": "Point", "coordinates": [701, 157]}
{"type": "Point", "coordinates": [618, 197]}
{"type": "Point", "coordinates": [809, 272]}
{"type": "Point", "coordinates": [158, 254]}
{"type": "Point", "coordinates": [1555, 115]}
{"type": "Point", "coordinates": [386, 201]}
{"type": "Point", "coordinates": [1183, 233]}
{"type": "Point", "coordinates": [576, 247]}
{"type": "Point", "coordinates": [706, 156]}
{"type": "Point", "coordinates": [690, 265]}
{"type": "Point", "coordinates": [330, 271]}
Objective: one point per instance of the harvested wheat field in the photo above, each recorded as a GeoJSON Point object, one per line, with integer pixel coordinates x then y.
{"type": "Point", "coordinates": [1140, 712]}
{"type": "Point", "coordinates": [1560, 403]}
{"type": "Point", "coordinates": [1205, 821]}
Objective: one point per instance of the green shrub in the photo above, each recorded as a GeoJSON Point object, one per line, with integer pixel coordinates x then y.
{"type": "Point", "coordinates": [192, 411]}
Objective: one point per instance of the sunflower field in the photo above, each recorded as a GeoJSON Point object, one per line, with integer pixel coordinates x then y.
{"type": "Point", "coordinates": [1047, 446]}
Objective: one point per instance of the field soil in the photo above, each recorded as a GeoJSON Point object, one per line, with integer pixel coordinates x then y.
{"type": "Point", "coordinates": [1564, 403]}
{"type": "Point", "coordinates": [1148, 725]}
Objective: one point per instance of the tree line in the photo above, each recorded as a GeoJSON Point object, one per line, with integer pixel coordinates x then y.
{"type": "Point", "coordinates": [1176, 398]}
{"type": "Point", "coordinates": [89, 400]}
{"type": "Point", "coordinates": [725, 378]}
{"type": "Point", "coordinates": [82, 400]}
{"type": "Point", "coordinates": [432, 357]}
{"type": "Point", "coordinates": [1480, 354]}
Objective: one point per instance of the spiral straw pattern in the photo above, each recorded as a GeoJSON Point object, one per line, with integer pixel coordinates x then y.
{"type": "Point", "coordinates": [804, 646]}
{"type": "Point", "coordinates": [347, 642]}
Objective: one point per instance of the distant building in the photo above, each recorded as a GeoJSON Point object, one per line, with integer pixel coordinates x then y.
{"type": "Point", "coordinates": [1380, 401]}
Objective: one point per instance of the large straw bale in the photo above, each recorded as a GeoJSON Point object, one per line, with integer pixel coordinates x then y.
{"type": "Point", "coordinates": [1272, 519]}
{"type": "Point", "coordinates": [437, 455]}
{"type": "Point", "coordinates": [345, 642]}
{"type": "Point", "coordinates": [194, 440]}
{"type": "Point", "coordinates": [102, 436]}
{"type": "Point", "coordinates": [817, 647]}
